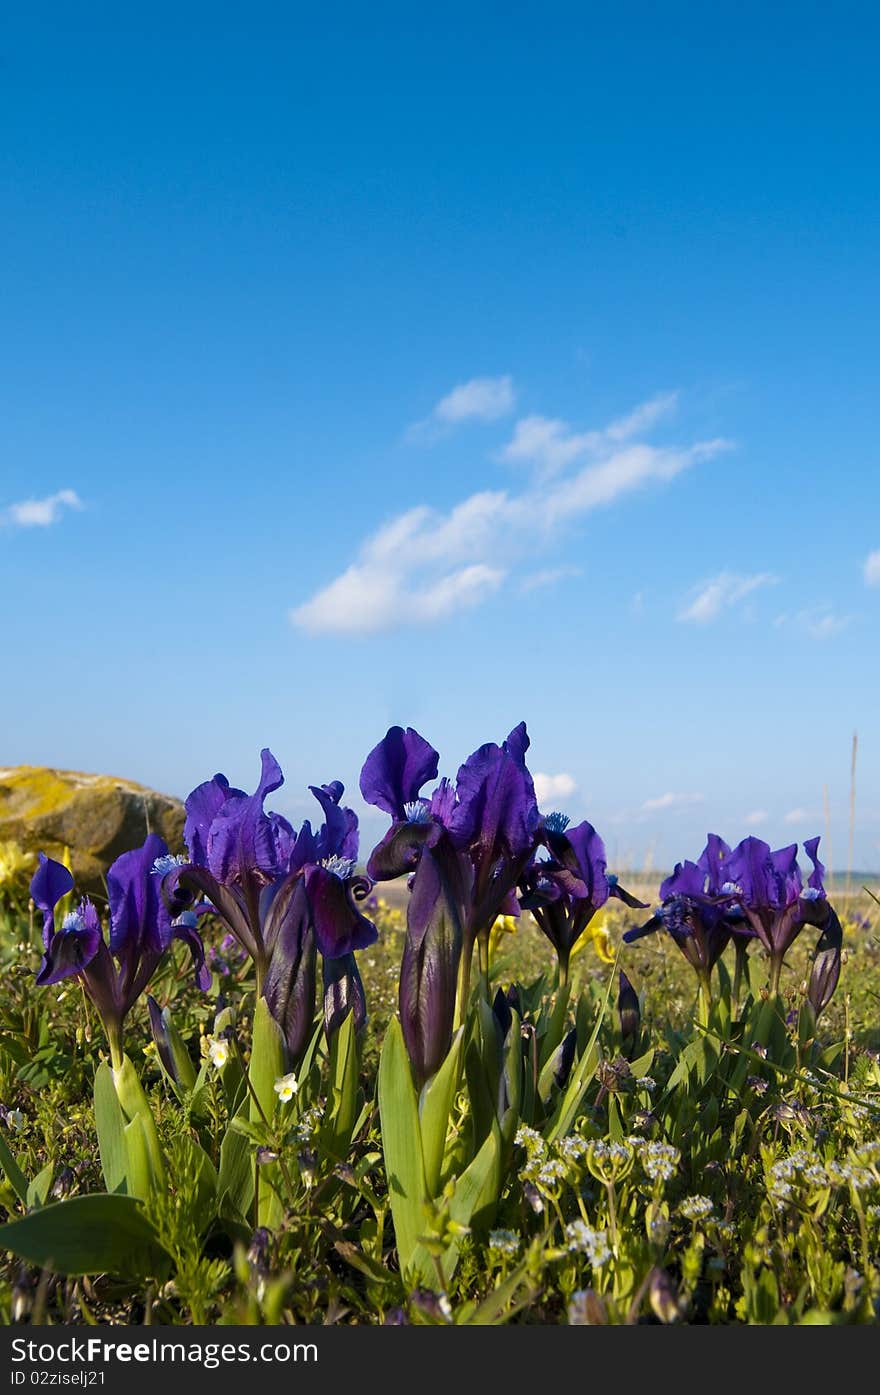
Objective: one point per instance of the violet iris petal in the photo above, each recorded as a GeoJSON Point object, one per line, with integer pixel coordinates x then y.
{"type": "Point", "coordinates": [398, 853]}
{"type": "Point", "coordinates": [565, 893]}
{"type": "Point", "coordinates": [496, 819]}
{"type": "Point", "coordinates": [432, 950]}
{"type": "Point", "coordinates": [290, 984]}
{"type": "Point", "coordinates": [396, 769]}
{"type": "Point", "coordinates": [825, 970]}
{"type": "Point", "coordinates": [338, 836]}
{"type": "Point", "coordinates": [343, 993]}
{"type": "Point", "coordinates": [687, 879]}
{"type": "Point", "coordinates": [184, 929]}
{"type": "Point", "coordinates": [202, 807]}
{"type": "Point", "coordinates": [338, 924]}
{"type": "Point", "coordinates": [772, 893]}
{"type": "Point", "coordinates": [139, 917]}
{"type": "Point", "coordinates": [246, 846]}
{"type": "Point", "coordinates": [73, 947]}
{"type": "Point", "coordinates": [816, 878]}
{"type": "Point", "coordinates": [50, 884]}
{"type": "Point", "coordinates": [497, 812]}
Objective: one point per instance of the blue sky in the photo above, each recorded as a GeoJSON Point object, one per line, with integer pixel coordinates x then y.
{"type": "Point", "coordinates": [356, 372]}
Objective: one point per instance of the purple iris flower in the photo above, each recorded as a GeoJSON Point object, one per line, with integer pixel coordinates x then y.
{"type": "Point", "coordinates": [285, 896]}
{"type": "Point", "coordinates": [496, 819]}
{"type": "Point", "coordinates": [774, 900]}
{"type": "Point", "coordinates": [565, 891]}
{"type": "Point", "coordinates": [465, 848]}
{"type": "Point", "coordinates": [489, 814]}
{"type": "Point", "coordinates": [699, 909]}
{"type": "Point", "coordinates": [419, 842]}
{"type": "Point", "coordinates": [825, 970]}
{"type": "Point", "coordinates": [141, 930]}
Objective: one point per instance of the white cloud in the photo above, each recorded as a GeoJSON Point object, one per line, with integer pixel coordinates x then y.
{"type": "Point", "coordinates": [479, 399]}
{"type": "Point", "coordinates": [757, 816]}
{"type": "Point", "coordinates": [550, 444]}
{"type": "Point", "coordinates": [40, 513]}
{"type": "Point", "coordinates": [872, 569]}
{"type": "Point", "coordinates": [425, 564]}
{"type": "Point", "coordinates": [796, 816]}
{"type": "Point", "coordinates": [550, 787]}
{"type": "Point", "coordinates": [670, 801]}
{"type": "Point", "coordinates": [725, 590]}
{"type": "Point", "coordinates": [822, 623]}
{"type": "Point", "coordinates": [538, 581]}
{"type": "Point", "coordinates": [367, 599]}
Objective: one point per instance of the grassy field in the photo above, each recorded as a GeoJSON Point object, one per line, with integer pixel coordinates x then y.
{"type": "Point", "coordinates": [714, 1177]}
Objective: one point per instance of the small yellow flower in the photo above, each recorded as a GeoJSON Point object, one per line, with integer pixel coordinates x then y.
{"type": "Point", "coordinates": [218, 1050]}
{"type": "Point", "coordinates": [15, 864]}
{"type": "Point", "coordinates": [503, 925]}
{"type": "Point", "coordinates": [286, 1087]}
{"type": "Point", "coordinates": [599, 936]}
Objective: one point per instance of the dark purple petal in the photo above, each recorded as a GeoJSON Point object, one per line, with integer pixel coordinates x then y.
{"type": "Point", "coordinates": [398, 853]}
{"type": "Point", "coordinates": [714, 862]}
{"type": "Point", "coordinates": [442, 803]}
{"type": "Point", "coordinates": [51, 882]}
{"type": "Point", "coordinates": [72, 948]}
{"type": "Point", "coordinates": [180, 886]}
{"type": "Point", "coordinates": [184, 929]}
{"type": "Point", "coordinates": [615, 889]}
{"type": "Point", "coordinates": [338, 924]}
{"type": "Point", "coordinates": [582, 852]}
{"type": "Point", "coordinates": [628, 1008]}
{"type": "Point", "coordinates": [202, 807]}
{"type": "Point", "coordinates": [343, 993]}
{"type": "Point", "coordinates": [825, 971]}
{"type": "Point", "coordinates": [245, 845]}
{"type": "Point", "coordinates": [638, 932]}
{"type": "Point", "coordinates": [429, 968]}
{"type": "Point", "coordinates": [687, 879]}
{"type": "Point", "coordinates": [396, 769]}
{"type": "Point", "coordinates": [291, 980]}
{"type": "Point", "coordinates": [817, 876]}
{"type": "Point", "coordinates": [788, 874]}
{"type": "Point", "coordinates": [139, 917]}
{"type": "Point", "coordinates": [305, 849]}
{"type": "Point", "coordinates": [339, 835]}
{"type": "Point", "coordinates": [751, 868]}
{"type": "Point", "coordinates": [497, 814]}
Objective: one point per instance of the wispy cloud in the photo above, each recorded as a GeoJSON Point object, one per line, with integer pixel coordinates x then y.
{"type": "Point", "coordinates": [724, 591]}
{"type": "Point", "coordinates": [41, 513]}
{"type": "Point", "coordinates": [819, 623]}
{"type": "Point", "coordinates": [756, 817]}
{"type": "Point", "coordinates": [538, 581]}
{"type": "Point", "coordinates": [425, 564]}
{"type": "Point", "coordinates": [479, 399]}
{"type": "Point", "coordinates": [871, 570]}
{"type": "Point", "coordinates": [797, 816]}
{"type": "Point", "coordinates": [550, 444]}
{"type": "Point", "coordinates": [670, 801]}
{"type": "Point", "coordinates": [550, 787]}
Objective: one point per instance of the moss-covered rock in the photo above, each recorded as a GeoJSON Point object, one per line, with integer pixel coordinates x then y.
{"type": "Point", "coordinates": [96, 817]}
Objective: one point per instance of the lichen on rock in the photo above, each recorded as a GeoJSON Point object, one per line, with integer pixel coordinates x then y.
{"type": "Point", "coordinates": [96, 817]}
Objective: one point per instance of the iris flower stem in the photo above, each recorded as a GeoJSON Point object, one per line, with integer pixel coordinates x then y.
{"type": "Point", "coordinates": [740, 950]}
{"type": "Point", "coordinates": [775, 972]}
{"type": "Point", "coordinates": [562, 964]}
{"type": "Point", "coordinates": [705, 997]}
{"type": "Point", "coordinates": [114, 1041]}
{"type": "Point", "coordinates": [464, 984]}
{"type": "Point", "coordinates": [483, 951]}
